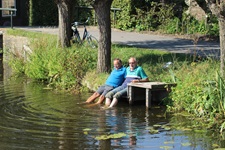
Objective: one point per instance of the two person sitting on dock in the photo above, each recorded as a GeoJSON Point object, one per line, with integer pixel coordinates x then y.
{"type": "Point", "coordinates": [115, 79]}
{"type": "Point", "coordinates": [134, 74]}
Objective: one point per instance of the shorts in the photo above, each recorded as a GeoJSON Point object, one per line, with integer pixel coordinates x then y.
{"type": "Point", "coordinates": [104, 89]}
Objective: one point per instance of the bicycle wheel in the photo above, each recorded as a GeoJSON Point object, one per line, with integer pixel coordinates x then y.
{"type": "Point", "coordinates": [92, 41]}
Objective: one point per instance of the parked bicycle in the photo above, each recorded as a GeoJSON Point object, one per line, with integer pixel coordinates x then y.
{"type": "Point", "coordinates": [91, 40]}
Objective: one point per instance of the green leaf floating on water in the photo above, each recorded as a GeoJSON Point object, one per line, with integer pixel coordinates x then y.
{"type": "Point", "coordinates": [169, 142]}
{"type": "Point", "coordinates": [186, 144]}
{"type": "Point", "coordinates": [102, 137]}
{"type": "Point", "coordinates": [153, 131]}
{"type": "Point", "coordinates": [157, 126]}
{"type": "Point", "coordinates": [87, 129]}
{"type": "Point", "coordinates": [111, 136]}
{"type": "Point", "coordinates": [219, 149]}
{"type": "Point", "coordinates": [166, 147]}
{"type": "Point", "coordinates": [165, 127]}
{"type": "Point", "coordinates": [85, 132]}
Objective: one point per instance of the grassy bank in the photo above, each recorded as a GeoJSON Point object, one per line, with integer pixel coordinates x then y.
{"type": "Point", "coordinates": [199, 90]}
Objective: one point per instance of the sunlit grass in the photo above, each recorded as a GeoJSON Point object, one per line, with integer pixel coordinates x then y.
{"type": "Point", "coordinates": [29, 34]}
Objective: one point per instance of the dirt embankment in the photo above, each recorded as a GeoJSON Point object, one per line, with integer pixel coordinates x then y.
{"type": "Point", "coordinates": [17, 45]}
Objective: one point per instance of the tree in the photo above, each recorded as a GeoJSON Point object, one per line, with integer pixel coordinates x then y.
{"type": "Point", "coordinates": [65, 12]}
{"type": "Point", "coordinates": [102, 10]}
{"type": "Point", "coordinates": [217, 7]}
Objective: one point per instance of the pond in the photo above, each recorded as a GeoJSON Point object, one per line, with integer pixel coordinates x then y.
{"type": "Point", "coordinates": [36, 118]}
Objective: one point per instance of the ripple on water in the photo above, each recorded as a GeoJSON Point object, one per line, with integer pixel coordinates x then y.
{"type": "Point", "coordinates": [35, 118]}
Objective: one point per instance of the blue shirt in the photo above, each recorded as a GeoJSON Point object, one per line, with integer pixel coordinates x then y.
{"type": "Point", "coordinates": [116, 77]}
{"type": "Point", "coordinates": [137, 73]}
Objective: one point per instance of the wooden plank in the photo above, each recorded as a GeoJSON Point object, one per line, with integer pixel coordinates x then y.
{"type": "Point", "coordinates": [152, 85]}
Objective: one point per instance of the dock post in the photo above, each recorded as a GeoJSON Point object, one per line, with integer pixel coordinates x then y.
{"type": "Point", "coordinates": [130, 94]}
{"type": "Point", "coordinates": [148, 97]}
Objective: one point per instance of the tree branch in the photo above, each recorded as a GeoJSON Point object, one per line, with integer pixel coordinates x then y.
{"type": "Point", "coordinates": [214, 6]}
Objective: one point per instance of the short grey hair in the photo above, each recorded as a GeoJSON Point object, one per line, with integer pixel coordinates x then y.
{"type": "Point", "coordinates": [120, 61]}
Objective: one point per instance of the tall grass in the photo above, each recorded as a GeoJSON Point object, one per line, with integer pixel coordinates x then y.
{"type": "Point", "coordinates": [59, 68]}
{"type": "Point", "coordinates": [200, 89]}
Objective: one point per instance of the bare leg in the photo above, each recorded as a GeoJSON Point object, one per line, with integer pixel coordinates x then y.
{"type": "Point", "coordinates": [101, 99]}
{"type": "Point", "coordinates": [114, 102]}
{"type": "Point", "coordinates": [107, 102]}
{"type": "Point", "coordinates": [92, 98]}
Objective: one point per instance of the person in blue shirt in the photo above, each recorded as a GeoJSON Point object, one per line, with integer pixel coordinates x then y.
{"type": "Point", "coordinates": [134, 74]}
{"type": "Point", "coordinates": [115, 79]}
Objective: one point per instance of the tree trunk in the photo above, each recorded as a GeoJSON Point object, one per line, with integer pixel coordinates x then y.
{"type": "Point", "coordinates": [218, 9]}
{"type": "Point", "coordinates": [102, 10]}
{"type": "Point", "coordinates": [222, 44]}
{"type": "Point", "coordinates": [64, 10]}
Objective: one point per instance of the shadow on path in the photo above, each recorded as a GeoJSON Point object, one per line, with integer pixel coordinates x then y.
{"type": "Point", "coordinates": [151, 41]}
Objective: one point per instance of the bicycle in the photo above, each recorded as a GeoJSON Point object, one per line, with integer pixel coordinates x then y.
{"type": "Point", "coordinates": [92, 41]}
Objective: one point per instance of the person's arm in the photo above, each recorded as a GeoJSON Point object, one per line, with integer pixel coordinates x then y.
{"type": "Point", "coordinates": [142, 74]}
{"type": "Point", "coordinates": [140, 80]}
{"type": "Point", "coordinates": [143, 80]}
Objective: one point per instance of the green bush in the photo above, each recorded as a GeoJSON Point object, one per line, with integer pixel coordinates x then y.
{"type": "Point", "coordinates": [150, 15]}
{"type": "Point", "coordinates": [171, 26]}
{"type": "Point", "coordinates": [197, 92]}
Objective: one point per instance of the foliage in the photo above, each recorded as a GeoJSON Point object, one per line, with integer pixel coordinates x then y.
{"type": "Point", "coordinates": [124, 17]}
{"type": "Point", "coordinates": [16, 63]}
{"type": "Point", "coordinates": [190, 25]}
{"type": "Point", "coordinates": [212, 26]}
{"type": "Point", "coordinates": [152, 15]}
{"type": "Point", "coordinates": [198, 93]}
{"type": "Point", "coordinates": [93, 80]}
{"type": "Point", "coordinates": [172, 26]}
{"type": "Point", "coordinates": [144, 15]}
{"type": "Point", "coordinates": [60, 68]}
{"type": "Point", "coordinates": [43, 12]}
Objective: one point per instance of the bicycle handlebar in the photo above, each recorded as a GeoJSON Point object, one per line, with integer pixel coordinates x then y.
{"type": "Point", "coordinates": [80, 23]}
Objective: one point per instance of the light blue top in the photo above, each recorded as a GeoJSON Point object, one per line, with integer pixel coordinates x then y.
{"type": "Point", "coordinates": [137, 73]}
{"type": "Point", "coordinates": [116, 77]}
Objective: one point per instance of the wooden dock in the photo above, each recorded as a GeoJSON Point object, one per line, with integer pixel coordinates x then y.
{"type": "Point", "coordinates": [149, 91]}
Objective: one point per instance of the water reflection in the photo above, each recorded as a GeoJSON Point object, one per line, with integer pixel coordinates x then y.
{"type": "Point", "coordinates": [35, 118]}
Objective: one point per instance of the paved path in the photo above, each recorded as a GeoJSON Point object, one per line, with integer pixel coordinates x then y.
{"type": "Point", "coordinates": [151, 41]}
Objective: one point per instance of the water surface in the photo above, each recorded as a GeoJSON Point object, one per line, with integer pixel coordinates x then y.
{"type": "Point", "coordinates": [35, 118]}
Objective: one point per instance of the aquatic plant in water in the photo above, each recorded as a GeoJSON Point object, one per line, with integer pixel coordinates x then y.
{"type": "Point", "coordinates": [111, 136]}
